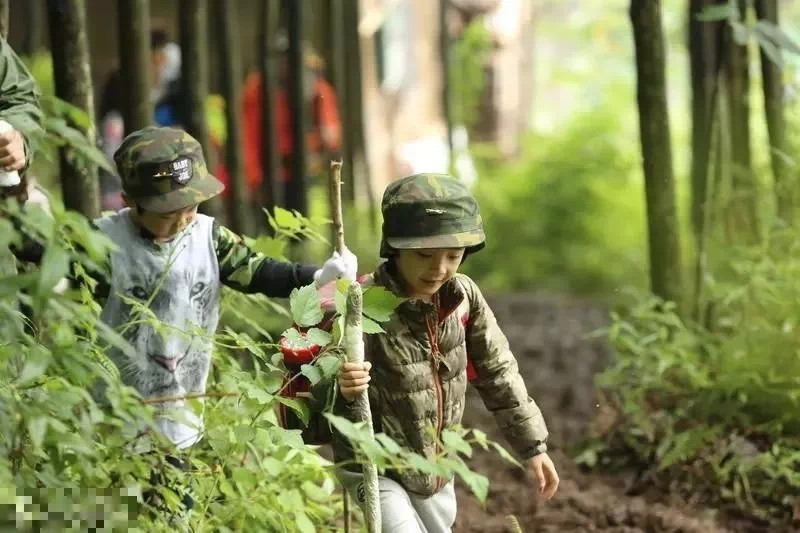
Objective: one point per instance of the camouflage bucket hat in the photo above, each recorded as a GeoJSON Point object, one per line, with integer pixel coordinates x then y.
{"type": "Point", "coordinates": [430, 211]}
{"type": "Point", "coordinates": [163, 170]}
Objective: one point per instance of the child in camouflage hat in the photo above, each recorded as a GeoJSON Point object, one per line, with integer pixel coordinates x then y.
{"type": "Point", "coordinates": [178, 261]}
{"type": "Point", "coordinates": [417, 371]}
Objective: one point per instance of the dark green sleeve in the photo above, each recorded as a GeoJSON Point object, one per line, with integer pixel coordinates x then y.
{"type": "Point", "coordinates": [245, 270]}
{"type": "Point", "coordinates": [499, 382]}
{"type": "Point", "coordinates": [19, 98]}
{"type": "Point", "coordinates": [31, 250]}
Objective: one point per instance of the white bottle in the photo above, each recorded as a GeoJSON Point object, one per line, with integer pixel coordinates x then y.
{"type": "Point", "coordinates": [8, 178]}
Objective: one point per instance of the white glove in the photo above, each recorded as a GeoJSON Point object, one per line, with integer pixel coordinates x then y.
{"type": "Point", "coordinates": [337, 267]}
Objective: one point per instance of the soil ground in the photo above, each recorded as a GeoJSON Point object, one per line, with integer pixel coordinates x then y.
{"type": "Point", "coordinates": [558, 359]}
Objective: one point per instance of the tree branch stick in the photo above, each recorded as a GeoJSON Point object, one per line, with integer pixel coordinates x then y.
{"type": "Point", "coordinates": [336, 204]}
{"type": "Point", "coordinates": [354, 348]}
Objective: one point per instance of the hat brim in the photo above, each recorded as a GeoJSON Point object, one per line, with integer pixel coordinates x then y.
{"type": "Point", "coordinates": [466, 239]}
{"type": "Point", "coordinates": [196, 192]}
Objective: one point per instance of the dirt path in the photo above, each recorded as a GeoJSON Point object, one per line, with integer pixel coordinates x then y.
{"type": "Point", "coordinates": [548, 336]}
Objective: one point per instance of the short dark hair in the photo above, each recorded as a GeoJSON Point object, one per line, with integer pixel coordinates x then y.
{"type": "Point", "coordinates": [158, 38]}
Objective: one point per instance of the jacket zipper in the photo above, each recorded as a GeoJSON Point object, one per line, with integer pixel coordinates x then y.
{"type": "Point", "coordinates": [433, 337]}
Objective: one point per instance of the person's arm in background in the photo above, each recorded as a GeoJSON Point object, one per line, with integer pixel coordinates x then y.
{"type": "Point", "coordinates": [19, 106]}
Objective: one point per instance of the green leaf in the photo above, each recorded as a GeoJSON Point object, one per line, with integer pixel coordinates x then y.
{"type": "Point", "coordinates": [477, 483]}
{"type": "Point", "coordinates": [272, 466]}
{"type": "Point", "coordinates": [391, 446]}
{"type": "Point", "coordinates": [346, 428]}
{"type": "Point", "coordinates": [774, 33]}
{"type": "Point", "coordinates": [55, 266]}
{"type": "Point", "coordinates": [305, 306]}
{"type": "Point", "coordinates": [718, 12]}
{"type": "Point", "coordinates": [380, 303]}
{"type": "Point", "coordinates": [480, 438]}
{"type": "Point", "coordinates": [370, 326]}
{"type": "Point", "coordinates": [313, 373]}
{"type": "Point", "coordinates": [741, 33]}
{"type": "Point", "coordinates": [225, 488]}
{"type": "Point", "coordinates": [304, 524]}
{"type": "Point", "coordinates": [318, 337]}
{"type": "Point", "coordinates": [340, 298]}
{"type": "Point", "coordinates": [315, 492]}
{"type": "Point", "coordinates": [246, 479]}
{"type": "Point", "coordinates": [10, 285]}
{"type": "Point", "coordinates": [286, 219]}
{"type": "Point", "coordinates": [421, 464]}
{"type": "Point", "coordinates": [505, 455]}
{"type": "Point", "coordinates": [270, 246]}
{"type": "Point", "coordinates": [454, 441]}
{"type": "Point", "coordinates": [295, 339]}
{"type": "Point", "coordinates": [259, 395]}
{"type": "Point", "coordinates": [291, 499]}
{"type": "Point", "coordinates": [338, 329]}
{"type": "Point", "coordinates": [299, 407]}
{"type": "Point", "coordinates": [329, 365]}
{"type": "Point", "coordinates": [291, 438]}
{"type": "Point", "coordinates": [37, 427]}
{"type": "Point", "coordinates": [35, 365]}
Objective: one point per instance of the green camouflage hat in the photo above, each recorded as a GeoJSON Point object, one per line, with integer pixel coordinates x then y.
{"type": "Point", "coordinates": [163, 170]}
{"type": "Point", "coordinates": [430, 211]}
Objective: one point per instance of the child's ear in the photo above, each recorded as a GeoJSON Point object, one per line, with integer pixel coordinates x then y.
{"type": "Point", "coordinates": [128, 201]}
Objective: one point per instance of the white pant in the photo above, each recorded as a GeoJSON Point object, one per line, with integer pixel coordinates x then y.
{"type": "Point", "coordinates": [402, 512]}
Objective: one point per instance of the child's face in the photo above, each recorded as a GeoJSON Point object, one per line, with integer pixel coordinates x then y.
{"type": "Point", "coordinates": [163, 226]}
{"type": "Point", "coordinates": [425, 271]}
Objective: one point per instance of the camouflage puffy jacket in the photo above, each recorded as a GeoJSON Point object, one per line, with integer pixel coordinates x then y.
{"type": "Point", "coordinates": [419, 376]}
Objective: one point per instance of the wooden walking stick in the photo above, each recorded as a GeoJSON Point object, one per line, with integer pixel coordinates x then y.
{"type": "Point", "coordinates": [354, 351]}
{"type": "Point", "coordinates": [335, 198]}
{"type": "Point", "coordinates": [335, 186]}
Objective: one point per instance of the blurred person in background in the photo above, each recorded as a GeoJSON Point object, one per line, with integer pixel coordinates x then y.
{"type": "Point", "coordinates": [324, 133]}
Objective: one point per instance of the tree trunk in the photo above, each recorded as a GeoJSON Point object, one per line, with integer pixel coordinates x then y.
{"type": "Point", "coordinates": [651, 92]}
{"type": "Point", "coordinates": [743, 208]}
{"type": "Point", "coordinates": [705, 62]}
{"type": "Point", "coordinates": [231, 74]}
{"type": "Point", "coordinates": [705, 46]}
{"type": "Point", "coordinates": [340, 70]}
{"type": "Point", "coordinates": [772, 75]}
{"type": "Point", "coordinates": [444, 57]}
{"type": "Point", "coordinates": [322, 28]}
{"type": "Point", "coordinates": [270, 162]}
{"type": "Point", "coordinates": [32, 18]}
{"type": "Point", "coordinates": [193, 26]}
{"type": "Point", "coordinates": [4, 18]}
{"type": "Point", "coordinates": [134, 54]}
{"type": "Point", "coordinates": [354, 120]}
{"type": "Point", "coordinates": [73, 84]}
{"type": "Point", "coordinates": [296, 194]}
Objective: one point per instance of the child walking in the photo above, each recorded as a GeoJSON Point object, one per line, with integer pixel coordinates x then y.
{"type": "Point", "coordinates": [176, 261]}
{"type": "Point", "coordinates": [416, 371]}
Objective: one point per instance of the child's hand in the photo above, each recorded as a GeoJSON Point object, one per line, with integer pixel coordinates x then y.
{"type": "Point", "coordinates": [544, 471]}
{"type": "Point", "coordinates": [354, 379]}
{"type": "Point", "coordinates": [12, 150]}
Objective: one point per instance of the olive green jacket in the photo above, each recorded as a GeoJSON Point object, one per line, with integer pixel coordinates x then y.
{"type": "Point", "coordinates": [419, 376]}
